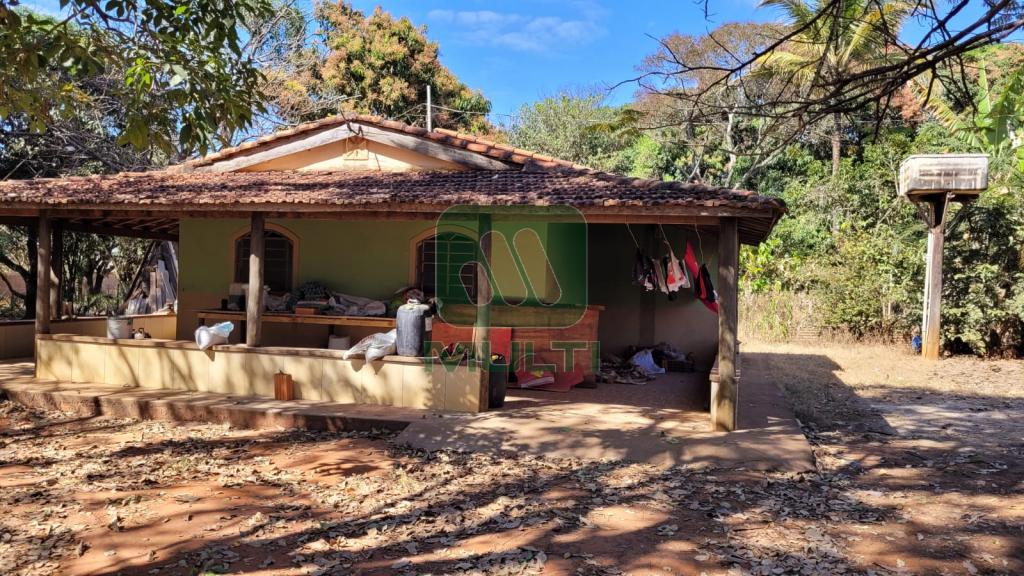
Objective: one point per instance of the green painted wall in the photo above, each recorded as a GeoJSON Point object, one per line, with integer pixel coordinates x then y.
{"type": "Point", "coordinates": [361, 258]}
{"type": "Point", "coordinates": [373, 259]}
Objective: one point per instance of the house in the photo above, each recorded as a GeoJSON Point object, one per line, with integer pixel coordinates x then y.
{"type": "Point", "coordinates": [522, 246]}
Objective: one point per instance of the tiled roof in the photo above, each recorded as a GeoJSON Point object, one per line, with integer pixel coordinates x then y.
{"type": "Point", "coordinates": [481, 146]}
{"type": "Point", "coordinates": [531, 180]}
{"type": "Point", "coordinates": [430, 189]}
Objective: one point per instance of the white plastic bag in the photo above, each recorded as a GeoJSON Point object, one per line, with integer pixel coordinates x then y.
{"type": "Point", "coordinates": [356, 305]}
{"type": "Point", "coordinates": [207, 336]}
{"type": "Point", "coordinates": [373, 347]}
{"type": "Point", "coordinates": [645, 362]}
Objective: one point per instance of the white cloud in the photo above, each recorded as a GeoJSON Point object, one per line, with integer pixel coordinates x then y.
{"type": "Point", "coordinates": [526, 33]}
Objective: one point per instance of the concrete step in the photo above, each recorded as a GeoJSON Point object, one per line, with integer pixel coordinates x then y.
{"type": "Point", "coordinates": [91, 400]}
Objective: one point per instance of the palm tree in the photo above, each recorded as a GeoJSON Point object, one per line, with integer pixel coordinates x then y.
{"type": "Point", "coordinates": [835, 38]}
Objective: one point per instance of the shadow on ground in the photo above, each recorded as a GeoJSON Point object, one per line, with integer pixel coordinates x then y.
{"type": "Point", "coordinates": [151, 498]}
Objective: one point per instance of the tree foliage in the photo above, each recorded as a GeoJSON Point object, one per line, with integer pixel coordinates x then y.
{"type": "Point", "coordinates": [724, 142]}
{"type": "Point", "coordinates": [857, 248]}
{"type": "Point", "coordinates": [373, 64]}
{"type": "Point", "coordinates": [828, 45]}
{"type": "Point", "coordinates": [850, 247]}
{"type": "Point", "coordinates": [833, 26]}
{"type": "Point", "coordinates": [177, 67]}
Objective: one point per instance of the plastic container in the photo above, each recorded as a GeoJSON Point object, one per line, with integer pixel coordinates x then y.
{"type": "Point", "coordinates": [339, 342]}
{"type": "Point", "coordinates": [410, 322]}
{"type": "Point", "coordinates": [119, 328]}
{"type": "Point", "coordinates": [497, 382]}
{"type": "Point", "coordinates": [959, 174]}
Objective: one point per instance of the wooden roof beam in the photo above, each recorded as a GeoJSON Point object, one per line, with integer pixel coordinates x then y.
{"type": "Point", "coordinates": [119, 231]}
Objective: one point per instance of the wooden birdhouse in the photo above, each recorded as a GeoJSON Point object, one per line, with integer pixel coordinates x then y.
{"type": "Point", "coordinates": [932, 181]}
{"type": "Point", "coordinates": [962, 176]}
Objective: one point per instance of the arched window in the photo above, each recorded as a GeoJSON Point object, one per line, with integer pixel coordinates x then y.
{"type": "Point", "coordinates": [444, 267]}
{"type": "Point", "coordinates": [278, 256]}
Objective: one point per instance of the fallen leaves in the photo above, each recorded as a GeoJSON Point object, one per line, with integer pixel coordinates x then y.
{"type": "Point", "coordinates": [447, 512]}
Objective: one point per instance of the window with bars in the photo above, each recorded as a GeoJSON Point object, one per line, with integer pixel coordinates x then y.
{"type": "Point", "coordinates": [444, 267]}
{"type": "Point", "coordinates": [278, 256]}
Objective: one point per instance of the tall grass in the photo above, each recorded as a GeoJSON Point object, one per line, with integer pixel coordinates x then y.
{"type": "Point", "coordinates": [776, 316]}
{"type": "Point", "coordinates": [781, 316]}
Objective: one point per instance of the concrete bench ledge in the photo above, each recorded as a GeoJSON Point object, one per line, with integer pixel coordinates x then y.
{"type": "Point", "coordinates": [237, 348]}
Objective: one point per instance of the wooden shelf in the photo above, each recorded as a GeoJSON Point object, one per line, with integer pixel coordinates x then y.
{"type": "Point", "coordinates": [315, 319]}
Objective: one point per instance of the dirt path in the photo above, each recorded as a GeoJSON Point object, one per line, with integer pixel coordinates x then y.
{"type": "Point", "coordinates": [914, 478]}
{"type": "Point", "coordinates": [938, 445]}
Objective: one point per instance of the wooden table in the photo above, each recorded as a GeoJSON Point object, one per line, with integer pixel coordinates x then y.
{"type": "Point", "coordinates": [310, 319]}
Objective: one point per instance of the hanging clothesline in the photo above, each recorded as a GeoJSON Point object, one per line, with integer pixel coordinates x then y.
{"type": "Point", "coordinates": [635, 243]}
{"type": "Point", "coordinates": [668, 276]}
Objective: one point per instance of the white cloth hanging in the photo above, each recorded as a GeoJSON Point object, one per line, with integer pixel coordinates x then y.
{"type": "Point", "coordinates": [675, 277]}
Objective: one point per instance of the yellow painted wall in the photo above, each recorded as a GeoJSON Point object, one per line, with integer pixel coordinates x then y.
{"type": "Point", "coordinates": [318, 375]}
{"type": "Point", "coordinates": [370, 259]}
{"type": "Point", "coordinates": [373, 259]}
{"type": "Point", "coordinates": [355, 154]}
{"type": "Point", "coordinates": [16, 338]}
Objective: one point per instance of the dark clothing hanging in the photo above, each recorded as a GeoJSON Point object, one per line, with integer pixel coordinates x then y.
{"type": "Point", "coordinates": [707, 288]}
{"type": "Point", "coordinates": [659, 276]}
{"type": "Point", "coordinates": [703, 289]}
{"type": "Point", "coordinates": [643, 272]}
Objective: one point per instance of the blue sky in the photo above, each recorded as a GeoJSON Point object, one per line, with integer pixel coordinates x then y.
{"type": "Point", "coordinates": [517, 52]}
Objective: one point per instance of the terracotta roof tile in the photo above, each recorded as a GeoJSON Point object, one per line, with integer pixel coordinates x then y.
{"type": "Point", "coordinates": [441, 135]}
{"type": "Point", "coordinates": [541, 181]}
{"type": "Point", "coordinates": [362, 189]}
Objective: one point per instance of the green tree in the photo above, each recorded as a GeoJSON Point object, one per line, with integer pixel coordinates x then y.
{"type": "Point", "coordinates": [577, 127]}
{"type": "Point", "coordinates": [995, 121]}
{"type": "Point", "coordinates": [702, 115]}
{"type": "Point", "coordinates": [178, 67]}
{"type": "Point", "coordinates": [90, 259]}
{"type": "Point", "coordinates": [18, 258]}
{"type": "Point", "coordinates": [835, 40]}
{"type": "Point", "coordinates": [374, 64]}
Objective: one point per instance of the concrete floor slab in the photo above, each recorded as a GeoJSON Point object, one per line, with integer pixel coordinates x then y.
{"type": "Point", "coordinates": [663, 423]}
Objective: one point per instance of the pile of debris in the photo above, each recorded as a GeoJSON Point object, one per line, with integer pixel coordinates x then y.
{"type": "Point", "coordinates": [641, 364]}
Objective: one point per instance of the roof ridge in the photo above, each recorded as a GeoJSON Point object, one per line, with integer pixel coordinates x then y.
{"type": "Point", "coordinates": [475, 144]}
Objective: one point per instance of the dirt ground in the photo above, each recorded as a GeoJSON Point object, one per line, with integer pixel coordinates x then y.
{"type": "Point", "coordinates": [919, 472]}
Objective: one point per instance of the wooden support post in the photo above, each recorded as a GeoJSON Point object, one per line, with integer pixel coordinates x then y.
{"type": "Point", "coordinates": [43, 240]}
{"type": "Point", "coordinates": [481, 328]}
{"type": "Point", "coordinates": [56, 271]}
{"type": "Point", "coordinates": [254, 303]}
{"type": "Point", "coordinates": [484, 293]}
{"type": "Point", "coordinates": [931, 324]}
{"type": "Point", "coordinates": [725, 392]}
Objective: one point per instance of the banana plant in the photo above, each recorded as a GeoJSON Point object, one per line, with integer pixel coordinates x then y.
{"type": "Point", "coordinates": [998, 121]}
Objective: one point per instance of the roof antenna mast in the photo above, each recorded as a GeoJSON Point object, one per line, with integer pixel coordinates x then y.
{"type": "Point", "coordinates": [430, 120]}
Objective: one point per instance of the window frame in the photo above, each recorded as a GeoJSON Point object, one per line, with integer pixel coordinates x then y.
{"type": "Point", "coordinates": [416, 271]}
{"type": "Point", "coordinates": [237, 265]}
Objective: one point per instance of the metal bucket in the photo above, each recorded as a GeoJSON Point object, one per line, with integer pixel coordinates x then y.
{"type": "Point", "coordinates": [119, 328]}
